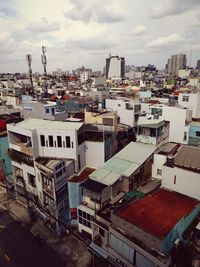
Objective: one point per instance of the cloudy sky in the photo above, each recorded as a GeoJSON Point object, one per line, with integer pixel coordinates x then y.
{"type": "Point", "coordinates": [85, 32]}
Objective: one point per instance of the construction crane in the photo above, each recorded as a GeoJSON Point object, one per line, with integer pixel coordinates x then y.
{"type": "Point", "coordinates": [29, 60]}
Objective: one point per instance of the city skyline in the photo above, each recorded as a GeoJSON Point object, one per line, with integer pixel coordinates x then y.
{"type": "Point", "coordinates": [144, 32]}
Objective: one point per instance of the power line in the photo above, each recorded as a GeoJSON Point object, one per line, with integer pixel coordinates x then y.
{"type": "Point", "coordinates": [31, 213]}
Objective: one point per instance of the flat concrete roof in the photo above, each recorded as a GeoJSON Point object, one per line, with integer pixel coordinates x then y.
{"type": "Point", "coordinates": [32, 123]}
{"type": "Point", "coordinates": [124, 163]}
{"type": "Point", "coordinates": [158, 213]}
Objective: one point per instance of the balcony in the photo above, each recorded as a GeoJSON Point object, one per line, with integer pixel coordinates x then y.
{"type": "Point", "coordinates": [49, 190]}
{"type": "Point", "coordinates": [20, 157]}
{"type": "Point", "coordinates": [22, 147]}
{"type": "Point", "coordinates": [32, 190]}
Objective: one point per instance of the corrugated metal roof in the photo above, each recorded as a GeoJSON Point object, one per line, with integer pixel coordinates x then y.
{"type": "Point", "coordinates": [188, 157]}
{"type": "Point", "coordinates": [152, 125]}
{"type": "Point", "coordinates": [124, 163]}
{"type": "Point", "coordinates": [33, 123]}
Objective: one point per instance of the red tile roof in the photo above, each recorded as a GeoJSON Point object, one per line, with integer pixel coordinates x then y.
{"type": "Point", "coordinates": [82, 176]}
{"type": "Point", "coordinates": [158, 213]}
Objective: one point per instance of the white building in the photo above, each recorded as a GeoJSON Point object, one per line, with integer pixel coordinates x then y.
{"type": "Point", "coordinates": [178, 117]}
{"type": "Point", "coordinates": [127, 110]}
{"type": "Point", "coordinates": [115, 67]}
{"type": "Point", "coordinates": [191, 101]}
{"type": "Point", "coordinates": [182, 173]}
{"type": "Point", "coordinates": [184, 73]}
{"type": "Point", "coordinates": [154, 132]}
{"type": "Point", "coordinates": [41, 110]}
{"type": "Point", "coordinates": [84, 76]}
{"type": "Point", "coordinates": [178, 169]}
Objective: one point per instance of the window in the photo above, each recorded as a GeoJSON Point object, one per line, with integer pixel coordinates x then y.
{"type": "Point", "coordinates": [47, 110]}
{"type": "Point", "coordinates": [59, 141]}
{"type": "Point", "coordinates": [198, 133]}
{"type": "Point", "coordinates": [42, 140]}
{"type": "Point", "coordinates": [80, 212]}
{"type": "Point", "coordinates": [31, 180]}
{"type": "Point", "coordinates": [159, 172]}
{"type": "Point", "coordinates": [185, 136]}
{"type": "Point", "coordinates": [174, 179]}
{"type": "Point", "coordinates": [67, 138]}
{"type": "Point", "coordinates": [108, 121]}
{"type": "Point", "coordinates": [156, 111]}
{"type": "Point", "coordinates": [84, 218]}
{"type": "Point", "coordinates": [185, 98]}
{"type": "Point", "coordinates": [79, 162]}
{"type": "Point", "coordinates": [50, 140]}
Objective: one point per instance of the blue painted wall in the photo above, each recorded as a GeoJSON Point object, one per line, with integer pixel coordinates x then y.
{"type": "Point", "coordinates": [4, 155]}
{"type": "Point", "coordinates": [193, 139]}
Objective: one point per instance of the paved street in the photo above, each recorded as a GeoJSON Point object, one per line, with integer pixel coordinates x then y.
{"type": "Point", "coordinates": [18, 247]}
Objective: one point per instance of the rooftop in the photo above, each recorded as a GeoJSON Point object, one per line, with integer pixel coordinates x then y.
{"type": "Point", "coordinates": [48, 162]}
{"type": "Point", "coordinates": [93, 186]}
{"type": "Point", "coordinates": [188, 157]}
{"type": "Point", "coordinates": [82, 176]}
{"type": "Point", "coordinates": [195, 123]}
{"type": "Point", "coordinates": [32, 123]}
{"type": "Point", "coordinates": [168, 148]}
{"type": "Point", "coordinates": [124, 163]}
{"type": "Point", "coordinates": [151, 123]}
{"type": "Point", "coordinates": [158, 213]}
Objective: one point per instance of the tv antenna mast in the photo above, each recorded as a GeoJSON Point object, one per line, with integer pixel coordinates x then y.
{"type": "Point", "coordinates": [29, 60]}
{"type": "Point", "coordinates": [44, 63]}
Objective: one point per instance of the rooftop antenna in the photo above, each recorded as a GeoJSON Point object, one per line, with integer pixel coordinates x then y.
{"type": "Point", "coordinates": [44, 63]}
{"type": "Point", "coordinates": [29, 60]}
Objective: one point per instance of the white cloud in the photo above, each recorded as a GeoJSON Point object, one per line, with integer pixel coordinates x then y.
{"type": "Point", "coordinates": [173, 7]}
{"type": "Point", "coordinates": [165, 41]}
{"type": "Point", "coordinates": [139, 30]}
{"type": "Point", "coordinates": [93, 10]}
{"type": "Point", "coordinates": [84, 32]}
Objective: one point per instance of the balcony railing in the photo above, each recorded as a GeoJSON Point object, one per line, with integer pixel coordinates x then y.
{"type": "Point", "coordinates": [48, 190]}
{"type": "Point", "coordinates": [20, 157]}
{"type": "Point", "coordinates": [32, 190]}
{"type": "Point", "coordinates": [22, 147]}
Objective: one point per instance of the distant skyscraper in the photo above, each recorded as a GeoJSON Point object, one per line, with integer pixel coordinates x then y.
{"type": "Point", "coordinates": [115, 67]}
{"type": "Point", "coordinates": [175, 63]}
{"type": "Point", "coordinates": [198, 64]}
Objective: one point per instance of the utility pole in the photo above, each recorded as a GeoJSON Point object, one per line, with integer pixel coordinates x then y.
{"type": "Point", "coordinates": [29, 60]}
{"type": "Point", "coordinates": [44, 63]}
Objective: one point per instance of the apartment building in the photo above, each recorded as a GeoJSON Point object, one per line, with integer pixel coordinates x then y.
{"type": "Point", "coordinates": [37, 148]}
{"type": "Point", "coordinates": [115, 67]}
{"type": "Point", "coordinates": [127, 110]}
{"type": "Point", "coordinates": [175, 63]}
{"type": "Point", "coordinates": [192, 101]}
{"type": "Point", "coordinates": [177, 116]}
{"type": "Point", "coordinates": [155, 132]}
{"type": "Point", "coordinates": [41, 110]}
